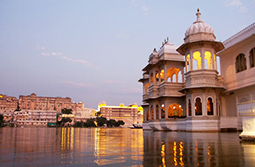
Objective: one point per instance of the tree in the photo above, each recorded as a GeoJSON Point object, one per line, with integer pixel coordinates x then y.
{"type": "Point", "coordinates": [66, 111]}
{"type": "Point", "coordinates": [90, 123]}
{"type": "Point", "coordinates": [101, 121]}
{"type": "Point", "coordinates": [120, 122]}
{"type": "Point", "coordinates": [66, 120]}
{"type": "Point", "coordinates": [98, 113]}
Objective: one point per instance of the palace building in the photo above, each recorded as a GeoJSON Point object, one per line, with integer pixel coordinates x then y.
{"type": "Point", "coordinates": [131, 114]}
{"type": "Point", "coordinates": [182, 88]}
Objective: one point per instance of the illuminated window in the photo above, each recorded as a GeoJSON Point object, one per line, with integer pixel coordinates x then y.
{"type": "Point", "coordinates": [162, 111]}
{"type": "Point", "coordinates": [147, 85]}
{"type": "Point", "coordinates": [196, 60]}
{"type": "Point", "coordinates": [208, 60]}
{"type": "Point", "coordinates": [240, 63]}
{"type": "Point", "coordinates": [157, 77]}
{"type": "Point", "coordinates": [198, 106]}
{"type": "Point", "coordinates": [252, 57]}
{"type": "Point", "coordinates": [215, 63]}
{"type": "Point", "coordinates": [188, 63]}
{"type": "Point", "coordinates": [175, 110]}
{"type": "Point", "coordinates": [172, 74]}
{"type": "Point", "coordinates": [162, 76]}
{"type": "Point", "coordinates": [189, 108]}
{"type": "Point", "coordinates": [209, 106]}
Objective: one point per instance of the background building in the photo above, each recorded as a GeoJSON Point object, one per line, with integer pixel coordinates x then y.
{"type": "Point", "coordinates": [131, 114]}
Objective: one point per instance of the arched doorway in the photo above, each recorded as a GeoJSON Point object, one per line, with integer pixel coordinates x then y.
{"type": "Point", "coordinates": [198, 106]}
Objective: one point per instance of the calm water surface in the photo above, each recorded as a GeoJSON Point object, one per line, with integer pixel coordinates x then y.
{"type": "Point", "coordinates": [121, 147]}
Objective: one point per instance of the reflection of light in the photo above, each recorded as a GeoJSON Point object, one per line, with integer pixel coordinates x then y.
{"type": "Point", "coordinates": [175, 153]}
{"type": "Point", "coordinates": [163, 154]}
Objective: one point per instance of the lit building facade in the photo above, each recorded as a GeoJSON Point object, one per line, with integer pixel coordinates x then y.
{"type": "Point", "coordinates": [131, 114]}
{"type": "Point", "coordinates": [182, 88]}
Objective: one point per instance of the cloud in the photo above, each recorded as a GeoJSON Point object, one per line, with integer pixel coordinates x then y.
{"type": "Point", "coordinates": [46, 54]}
{"type": "Point", "coordinates": [56, 53]}
{"type": "Point", "coordinates": [40, 47]}
{"type": "Point", "coordinates": [145, 10]}
{"type": "Point", "coordinates": [236, 3]}
{"type": "Point", "coordinates": [122, 35]}
{"type": "Point", "coordinates": [112, 82]}
{"type": "Point", "coordinates": [136, 3]}
{"type": "Point", "coordinates": [74, 84]}
{"type": "Point", "coordinates": [77, 61]}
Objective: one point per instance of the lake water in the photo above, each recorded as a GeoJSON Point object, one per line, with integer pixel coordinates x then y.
{"type": "Point", "coordinates": [121, 147]}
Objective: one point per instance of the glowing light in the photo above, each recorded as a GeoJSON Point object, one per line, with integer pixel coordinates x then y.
{"type": "Point", "coordinates": [197, 58]}
{"type": "Point", "coordinates": [207, 58]}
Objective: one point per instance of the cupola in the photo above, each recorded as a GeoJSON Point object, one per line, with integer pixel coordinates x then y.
{"type": "Point", "coordinates": [199, 31]}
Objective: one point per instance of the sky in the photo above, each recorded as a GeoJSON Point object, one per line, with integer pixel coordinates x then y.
{"type": "Point", "coordinates": [94, 51]}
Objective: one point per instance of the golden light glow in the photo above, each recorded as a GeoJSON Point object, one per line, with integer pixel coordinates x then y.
{"type": "Point", "coordinates": [188, 63]}
{"type": "Point", "coordinates": [175, 110]}
{"type": "Point", "coordinates": [215, 62]}
{"type": "Point", "coordinates": [171, 72]}
{"type": "Point", "coordinates": [208, 58]}
{"type": "Point", "coordinates": [197, 57]}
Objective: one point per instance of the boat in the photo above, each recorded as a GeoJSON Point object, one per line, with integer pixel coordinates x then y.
{"type": "Point", "coordinates": [138, 126]}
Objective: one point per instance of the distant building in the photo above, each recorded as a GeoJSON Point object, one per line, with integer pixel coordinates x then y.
{"type": "Point", "coordinates": [131, 114]}
{"type": "Point", "coordinates": [7, 106]}
{"type": "Point", "coordinates": [33, 102]}
{"type": "Point", "coordinates": [182, 88]}
{"type": "Point", "coordinates": [34, 117]}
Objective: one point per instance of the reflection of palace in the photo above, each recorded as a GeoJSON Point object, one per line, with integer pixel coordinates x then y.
{"type": "Point", "coordinates": [182, 89]}
{"type": "Point", "coordinates": [192, 149]}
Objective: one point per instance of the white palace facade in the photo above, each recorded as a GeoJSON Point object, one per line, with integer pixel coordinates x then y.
{"type": "Point", "coordinates": [182, 88]}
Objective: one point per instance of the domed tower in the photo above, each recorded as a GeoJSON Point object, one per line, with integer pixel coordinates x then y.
{"type": "Point", "coordinates": [203, 84]}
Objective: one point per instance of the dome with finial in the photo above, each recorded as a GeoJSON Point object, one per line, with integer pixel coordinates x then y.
{"type": "Point", "coordinates": [199, 30]}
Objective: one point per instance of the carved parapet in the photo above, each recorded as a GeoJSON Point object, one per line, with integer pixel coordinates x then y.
{"type": "Point", "coordinates": [153, 91]}
{"type": "Point", "coordinates": [170, 89]}
{"type": "Point", "coordinates": [202, 78]}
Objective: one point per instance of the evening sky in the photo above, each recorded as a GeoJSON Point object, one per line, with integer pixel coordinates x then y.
{"type": "Point", "coordinates": [95, 50]}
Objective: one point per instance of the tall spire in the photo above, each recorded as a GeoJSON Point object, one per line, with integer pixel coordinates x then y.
{"type": "Point", "coordinates": [198, 15]}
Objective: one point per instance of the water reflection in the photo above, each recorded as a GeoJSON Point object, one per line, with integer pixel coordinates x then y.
{"type": "Point", "coordinates": [196, 149]}
{"type": "Point", "coordinates": [121, 147]}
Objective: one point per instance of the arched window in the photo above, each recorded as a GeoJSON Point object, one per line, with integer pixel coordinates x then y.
{"type": "Point", "coordinates": [179, 77]}
{"type": "Point", "coordinates": [172, 74]}
{"type": "Point", "coordinates": [157, 78]}
{"type": "Point", "coordinates": [152, 113]}
{"type": "Point", "coordinates": [196, 60]}
{"type": "Point", "coordinates": [147, 115]}
{"type": "Point", "coordinates": [198, 106]}
{"type": "Point", "coordinates": [215, 62]}
{"type": "Point", "coordinates": [189, 108]}
{"type": "Point", "coordinates": [188, 63]}
{"type": "Point", "coordinates": [252, 57]}
{"type": "Point", "coordinates": [240, 63]}
{"type": "Point", "coordinates": [147, 85]}
{"type": "Point", "coordinates": [162, 111]}
{"type": "Point", "coordinates": [208, 60]}
{"type": "Point", "coordinates": [151, 79]}
{"type": "Point", "coordinates": [209, 106]}
{"type": "Point", "coordinates": [162, 76]}
{"type": "Point", "coordinates": [157, 112]}
{"type": "Point", "coordinates": [174, 78]}
{"type": "Point", "coordinates": [175, 110]}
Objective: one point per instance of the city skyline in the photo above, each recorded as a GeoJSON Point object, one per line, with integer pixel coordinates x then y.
{"type": "Point", "coordinates": [95, 51]}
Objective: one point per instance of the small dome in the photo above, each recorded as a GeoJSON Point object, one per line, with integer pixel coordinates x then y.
{"type": "Point", "coordinates": [199, 30]}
